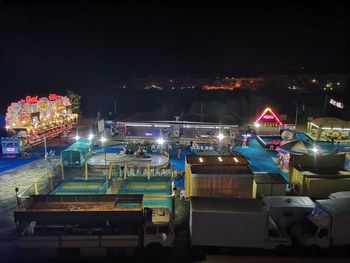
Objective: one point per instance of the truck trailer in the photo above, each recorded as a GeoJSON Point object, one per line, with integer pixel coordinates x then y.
{"type": "Point", "coordinates": [326, 226]}
{"type": "Point", "coordinates": [233, 222]}
{"type": "Point", "coordinates": [92, 222]}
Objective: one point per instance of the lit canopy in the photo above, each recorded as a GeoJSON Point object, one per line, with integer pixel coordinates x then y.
{"type": "Point", "coordinates": [328, 123]}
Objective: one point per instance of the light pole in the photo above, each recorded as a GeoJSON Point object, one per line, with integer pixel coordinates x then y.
{"type": "Point", "coordinates": [103, 139]}
{"type": "Point", "coordinates": [45, 146]}
{"type": "Point", "coordinates": [220, 137]}
{"type": "Point", "coordinates": [296, 115]}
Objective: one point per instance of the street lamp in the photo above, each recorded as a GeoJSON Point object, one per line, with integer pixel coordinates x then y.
{"type": "Point", "coordinates": [160, 141]}
{"type": "Point", "coordinates": [90, 137]}
{"type": "Point", "coordinates": [221, 136]}
{"type": "Point", "coordinates": [103, 139]}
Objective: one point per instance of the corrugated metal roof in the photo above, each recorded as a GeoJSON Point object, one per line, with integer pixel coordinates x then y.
{"type": "Point", "coordinates": [214, 204]}
{"type": "Point", "coordinates": [220, 169]}
{"type": "Point", "coordinates": [236, 160]}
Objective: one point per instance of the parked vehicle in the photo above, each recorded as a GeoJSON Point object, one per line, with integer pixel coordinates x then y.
{"type": "Point", "coordinates": [87, 222]}
{"type": "Point", "coordinates": [233, 222]}
{"type": "Point", "coordinates": [287, 211]}
{"type": "Point", "coordinates": [337, 195]}
{"type": "Point", "coordinates": [326, 226]}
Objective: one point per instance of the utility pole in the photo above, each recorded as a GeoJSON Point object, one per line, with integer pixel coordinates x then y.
{"type": "Point", "coordinates": [201, 111]}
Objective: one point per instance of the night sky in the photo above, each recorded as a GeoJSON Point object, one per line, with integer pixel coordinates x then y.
{"type": "Point", "coordinates": [58, 45]}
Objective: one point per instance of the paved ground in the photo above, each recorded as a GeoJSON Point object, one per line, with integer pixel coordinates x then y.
{"type": "Point", "coordinates": [261, 160]}
{"type": "Point", "coordinates": [21, 177]}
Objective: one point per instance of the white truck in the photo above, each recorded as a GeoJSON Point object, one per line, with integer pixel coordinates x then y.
{"type": "Point", "coordinates": [287, 211]}
{"type": "Point", "coordinates": [337, 195]}
{"type": "Point", "coordinates": [233, 222]}
{"type": "Point", "coordinates": [91, 223]}
{"type": "Point", "coordinates": [326, 226]}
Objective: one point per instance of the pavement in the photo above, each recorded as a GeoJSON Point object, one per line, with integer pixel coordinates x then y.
{"type": "Point", "coordinates": [22, 177]}
{"type": "Point", "coordinates": [260, 159]}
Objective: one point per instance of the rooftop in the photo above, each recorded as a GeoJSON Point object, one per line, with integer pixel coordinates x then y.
{"type": "Point", "coordinates": [210, 204]}
{"type": "Point", "coordinates": [221, 169]}
{"type": "Point", "coordinates": [233, 160]}
{"type": "Point", "coordinates": [289, 201]}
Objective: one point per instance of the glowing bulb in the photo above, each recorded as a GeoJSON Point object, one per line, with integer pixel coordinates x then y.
{"type": "Point", "coordinates": [77, 137]}
{"type": "Point", "coordinates": [90, 136]}
{"type": "Point", "coordinates": [257, 125]}
{"type": "Point", "coordinates": [103, 139]}
{"type": "Point", "coordinates": [160, 141]}
{"type": "Point", "coordinates": [221, 136]}
{"type": "Point", "coordinates": [315, 150]}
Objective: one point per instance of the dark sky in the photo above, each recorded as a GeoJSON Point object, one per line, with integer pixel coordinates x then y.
{"type": "Point", "coordinates": [55, 45]}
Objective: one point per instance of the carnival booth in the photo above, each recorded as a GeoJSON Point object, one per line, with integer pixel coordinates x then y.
{"type": "Point", "coordinates": [33, 119]}
{"type": "Point", "coordinates": [329, 129]}
{"type": "Point", "coordinates": [267, 128]}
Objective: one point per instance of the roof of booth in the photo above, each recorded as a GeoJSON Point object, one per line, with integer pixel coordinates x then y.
{"type": "Point", "coordinates": [331, 122]}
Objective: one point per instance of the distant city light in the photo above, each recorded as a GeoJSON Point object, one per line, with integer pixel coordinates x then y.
{"type": "Point", "coordinates": [90, 137]}
{"type": "Point", "coordinates": [314, 81]}
{"type": "Point", "coordinates": [235, 159]}
{"type": "Point", "coordinates": [103, 139]}
{"type": "Point", "coordinates": [315, 150]}
{"type": "Point", "coordinates": [220, 159]}
{"type": "Point", "coordinates": [201, 159]}
{"type": "Point", "coordinates": [77, 137]}
{"type": "Point", "coordinates": [257, 125]}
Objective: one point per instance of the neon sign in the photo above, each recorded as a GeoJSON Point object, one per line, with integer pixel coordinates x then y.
{"type": "Point", "coordinates": [30, 99]}
{"type": "Point", "coordinates": [268, 117]}
{"type": "Point", "coordinates": [267, 114]}
{"type": "Point", "coordinates": [53, 96]}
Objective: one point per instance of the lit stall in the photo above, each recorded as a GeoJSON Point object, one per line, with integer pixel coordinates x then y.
{"type": "Point", "coordinates": [267, 128]}
{"type": "Point", "coordinates": [33, 119]}
{"type": "Point", "coordinates": [329, 129]}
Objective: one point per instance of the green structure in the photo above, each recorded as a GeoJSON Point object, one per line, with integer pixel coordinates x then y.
{"type": "Point", "coordinates": [76, 154]}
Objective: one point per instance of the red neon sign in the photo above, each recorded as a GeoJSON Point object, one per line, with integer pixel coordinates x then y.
{"type": "Point", "coordinates": [30, 99]}
{"type": "Point", "coordinates": [264, 113]}
{"type": "Point", "coordinates": [10, 149]}
{"type": "Point", "coordinates": [53, 96]}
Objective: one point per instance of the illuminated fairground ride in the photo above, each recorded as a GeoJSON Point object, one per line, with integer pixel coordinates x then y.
{"type": "Point", "coordinates": [34, 119]}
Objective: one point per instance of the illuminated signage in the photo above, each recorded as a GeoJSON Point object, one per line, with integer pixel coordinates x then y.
{"type": "Point", "coordinates": [30, 99]}
{"type": "Point", "coordinates": [269, 115]}
{"type": "Point", "coordinates": [337, 103]}
{"type": "Point", "coordinates": [10, 149]}
{"type": "Point", "coordinates": [53, 96]}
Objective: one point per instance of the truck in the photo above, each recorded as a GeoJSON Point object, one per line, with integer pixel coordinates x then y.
{"type": "Point", "coordinates": [87, 223]}
{"type": "Point", "coordinates": [287, 211]}
{"type": "Point", "coordinates": [337, 195]}
{"type": "Point", "coordinates": [233, 222]}
{"type": "Point", "coordinates": [326, 226]}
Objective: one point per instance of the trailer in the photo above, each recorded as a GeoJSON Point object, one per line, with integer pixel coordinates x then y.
{"type": "Point", "coordinates": [233, 222]}
{"type": "Point", "coordinates": [86, 222]}
{"type": "Point", "coordinates": [326, 226]}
